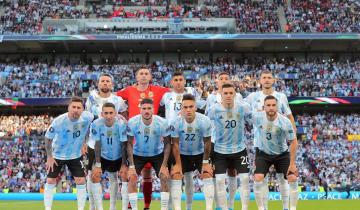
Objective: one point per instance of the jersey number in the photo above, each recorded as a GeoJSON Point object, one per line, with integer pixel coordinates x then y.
{"type": "Point", "coordinates": [146, 139]}
{"type": "Point", "coordinates": [230, 124]}
{"type": "Point", "coordinates": [268, 136]}
{"type": "Point", "coordinates": [109, 141]}
{"type": "Point", "coordinates": [190, 137]}
{"type": "Point", "coordinates": [244, 160]}
{"type": "Point", "coordinates": [177, 106]}
{"type": "Point", "coordinates": [76, 134]}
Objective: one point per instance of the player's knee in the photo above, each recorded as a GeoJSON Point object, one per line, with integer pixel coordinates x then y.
{"type": "Point", "coordinates": [231, 172]}
{"type": "Point", "coordinates": [164, 178]}
{"type": "Point", "coordinates": [80, 180]}
{"type": "Point", "coordinates": [205, 175]}
{"type": "Point", "coordinates": [244, 179]}
{"type": "Point", "coordinates": [292, 178]}
{"type": "Point", "coordinates": [259, 177]}
{"type": "Point", "coordinates": [51, 181]}
{"type": "Point", "coordinates": [133, 179]}
{"type": "Point", "coordinates": [177, 176]}
{"type": "Point", "coordinates": [282, 179]}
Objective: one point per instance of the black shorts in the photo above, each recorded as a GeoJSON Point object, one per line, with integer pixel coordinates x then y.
{"type": "Point", "coordinates": [75, 166]}
{"type": "Point", "coordinates": [263, 162]}
{"type": "Point", "coordinates": [156, 162]}
{"type": "Point", "coordinates": [110, 165]}
{"type": "Point", "coordinates": [238, 161]}
{"type": "Point", "coordinates": [212, 156]}
{"type": "Point", "coordinates": [191, 162]}
{"type": "Point", "coordinates": [91, 158]}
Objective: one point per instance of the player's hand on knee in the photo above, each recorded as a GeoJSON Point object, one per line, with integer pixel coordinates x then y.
{"type": "Point", "coordinates": [123, 173]}
{"type": "Point", "coordinates": [176, 171]}
{"type": "Point", "coordinates": [206, 168]}
{"type": "Point", "coordinates": [96, 175]}
{"type": "Point", "coordinates": [164, 172]}
{"type": "Point", "coordinates": [131, 173]}
{"type": "Point", "coordinates": [292, 170]}
{"type": "Point", "coordinates": [50, 162]}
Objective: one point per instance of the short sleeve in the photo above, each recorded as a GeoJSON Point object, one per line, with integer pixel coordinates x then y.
{"type": "Point", "coordinates": [174, 128]}
{"type": "Point", "coordinates": [165, 128]}
{"type": "Point", "coordinates": [129, 129]}
{"type": "Point", "coordinates": [123, 132]}
{"type": "Point", "coordinates": [290, 134]}
{"type": "Point", "coordinates": [285, 105]}
{"type": "Point", "coordinates": [123, 93]}
{"type": "Point", "coordinates": [206, 127]}
{"type": "Point", "coordinates": [94, 132]}
{"type": "Point", "coordinates": [53, 129]}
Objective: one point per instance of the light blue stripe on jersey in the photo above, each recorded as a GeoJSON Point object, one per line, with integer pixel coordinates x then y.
{"type": "Point", "coordinates": [229, 125]}
{"type": "Point", "coordinates": [191, 136]}
{"type": "Point", "coordinates": [148, 139]}
{"type": "Point", "coordinates": [110, 138]}
{"type": "Point", "coordinates": [273, 136]}
{"type": "Point", "coordinates": [68, 136]}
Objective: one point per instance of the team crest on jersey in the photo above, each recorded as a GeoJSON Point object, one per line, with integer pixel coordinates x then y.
{"type": "Point", "coordinates": [151, 94]}
{"type": "Point", "coordinates": [178, 97]}
{"type": "Point", "coordinates": [268, 127]}
{"type": "Point", "coordinates": [189, 129]}
{"type": "Point", "coordinates": [147, 131]}
{"type": "Point", "coordinates": [238, 115]}
{"type": "Point", "coordinates": [109, 133]}
{"type": "Point", "coordinates": [229, 114]}
{"type": "Point", "coordinates": [76, 127]}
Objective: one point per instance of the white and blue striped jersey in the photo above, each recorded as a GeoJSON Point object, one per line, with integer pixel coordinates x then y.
{"type": "Point", "coordinates": [229, 127]}
{"type": "Point", "coordinates": [256, 102]}
{"type": "Point", "coordinates": [273, 135]}
{"type": "Point", "coordinates": [216, 99]}
{"type": "Point", "coordinates": [191, 135]}
{"type": "Point", "coordinates": [68, 136]}
{"type": "Point", "coordinates": [94, 105]}
{"type": "Point", "coordinates": [148, 138]}
{"type": "Point", "coordinates": [110, 137]}
{"type": "Point", "coordinates": [173, 101]}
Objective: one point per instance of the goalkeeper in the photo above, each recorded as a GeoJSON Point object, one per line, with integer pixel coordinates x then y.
{"type": "Point", "coordinates": [109, 133]}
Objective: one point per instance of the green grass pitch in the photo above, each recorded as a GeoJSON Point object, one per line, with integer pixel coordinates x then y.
{"type": "Point", "coordinates": [197, 205]}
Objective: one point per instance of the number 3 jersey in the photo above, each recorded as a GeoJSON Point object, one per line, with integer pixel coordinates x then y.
{"type": "Point", "coordinates": [229, 127]}
{"type": "Point", "coordinates": [273, 135]}
{"type": "Point", "coordinates": [110, 137]}
{"type": "Point", "coordinates": [148, 138]}
{"type": "Point", "coordinates": [68, 136]}
{"type": "Point", "coordinates": [191, 135]}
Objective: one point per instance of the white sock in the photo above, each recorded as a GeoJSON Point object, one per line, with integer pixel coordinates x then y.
{"type": "Point", "coordinates": [208, 190]}
{"type": "Point", "coordinates": [284, 190]}
{"type": "Point", "coordinates": [232, 190]}
{"type": "Point", "coordinates": [114, 185]}
{"type": "Point", "coordinates": [258, 191]}
{"type": "Point", "coordinates": [189, 188]}
{"type": "Point", "coordinates": [48, 195]}
{"type": "Point", "coordinates": [97, 195]}
{"type": "Point", "coordinates": [81, 196]}
{"type": "Point", "coordinates": [176, 193]}
{"type": "Point", "coordinates": [124, 195]}
{"type": "Point", "coordinates": [266, 192]}
{"type": "Point", "coordinates": [293, 195]}
{"type": "Point", "coordinates": [89, 190]}
{"type": "Point", "coordinates": [244, 190]}
{"type": "Point", "coordinates": [221, 190]}
{"type": "Point", "coordinates": [164, 199]}
{"type": "Point", "coordinates": [170, 204]}
{"type": "Point", "coordinates": [133, 198]}
{"type": "Point", "coordinates": [217, 201]}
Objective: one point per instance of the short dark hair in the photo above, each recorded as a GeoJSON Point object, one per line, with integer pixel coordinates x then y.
{"type": "Point", "coordinates": [270, 97]}
{"type": "Point", "coordinates": [108, 104]}
{"type": "Point", "coordinates": [146, 101]}
{"type": "Point", "coordinates": [266, 71]}
{"type": "Point", "coordinates": [76, 99]}
{"type": "Point", "coordinates": [142, 67]}
{"type": "Point", "coordinates": [223, 73]}
{"type": "Point", "coordinates": [188, 97]}
{"type": "Point", "coordinates": [227, 85]}
{"type": "Point", "coordinates": [177, 73]}
{"type": "Point", "coordinates": [106, 75]}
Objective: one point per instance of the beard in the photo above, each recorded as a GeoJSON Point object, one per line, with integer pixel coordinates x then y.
{"type": "Point", "coordinates": [105, 90]}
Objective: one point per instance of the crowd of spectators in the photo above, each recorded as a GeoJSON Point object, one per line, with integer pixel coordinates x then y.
{"type": "Point", "coordinates": [331, 16]}
{"type": "Point", "coordinates": [324, 154]}
{"type": "Point", "coordinates": [295, 78]}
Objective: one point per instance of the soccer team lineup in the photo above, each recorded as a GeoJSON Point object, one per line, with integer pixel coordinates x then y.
{"type": "Point", "coordinates": [121, 134]}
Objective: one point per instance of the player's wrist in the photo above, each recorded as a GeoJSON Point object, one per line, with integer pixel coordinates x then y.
{"type": "Point", "coordinates": [132, 166]}
{"type": "Point", "coordinates": [205, 162]}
